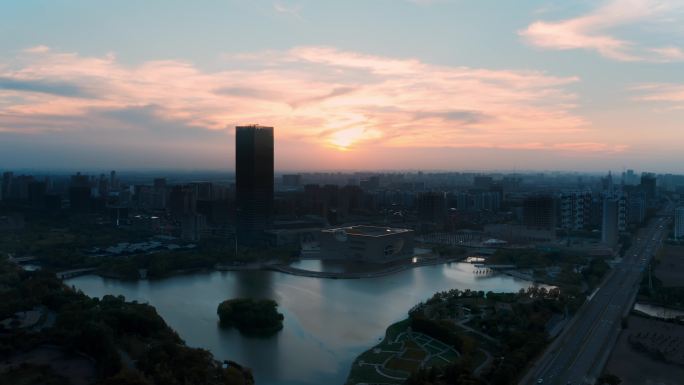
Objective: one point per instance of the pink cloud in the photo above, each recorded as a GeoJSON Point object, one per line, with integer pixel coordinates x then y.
{"type": "Point", "coordinates": [671, 93]}
{"type": "Point", "coordinates": [592, 30]}
{"type": "Point", "coordinates": [37, 49]}
{"type": "Point", "coordinates": [669, 53]}
{"type": "Point", "coordinates": [318, 95]}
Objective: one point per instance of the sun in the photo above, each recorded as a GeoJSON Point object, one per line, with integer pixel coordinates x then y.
{"type": "Point", "coordinates": [343, 140]}
{"type": "Point", "coordinates": [348, 138]}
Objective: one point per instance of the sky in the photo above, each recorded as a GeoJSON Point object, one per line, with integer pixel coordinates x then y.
{"type": "Point", "coordinates": [585, 85]}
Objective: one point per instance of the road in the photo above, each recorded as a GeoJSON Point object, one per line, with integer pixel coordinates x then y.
{"type": "Point", "coordinates": [579, 353]}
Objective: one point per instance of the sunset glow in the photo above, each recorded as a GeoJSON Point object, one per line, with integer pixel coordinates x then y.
{"type": "Point", "coordinates": [323, 98]}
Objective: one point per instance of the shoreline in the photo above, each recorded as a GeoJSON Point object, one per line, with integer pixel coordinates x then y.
{"type": "Point", "coordinates": [389, 270]}
{"type": "Point", "coordinates": [287, 269]}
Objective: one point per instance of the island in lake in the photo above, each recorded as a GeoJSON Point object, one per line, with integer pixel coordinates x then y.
{"type": "Point", "coordinates": [251, 316]}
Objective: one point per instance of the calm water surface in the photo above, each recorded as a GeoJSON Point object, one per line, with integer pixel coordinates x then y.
{"type": "Point", "coordinates": [328, 322]}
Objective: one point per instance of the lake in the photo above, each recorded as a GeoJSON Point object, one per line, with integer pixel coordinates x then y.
{"type": "Point", "coordinates": [328, 322]}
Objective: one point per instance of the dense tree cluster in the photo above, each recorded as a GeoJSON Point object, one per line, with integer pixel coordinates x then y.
{"type": "Point", "coordinates": [518, 321]}
{"type": "Point", "coordinates": [251, 316]}
{"type": "Point", "coordinates": [457, 373]}
{"type": "Point", "coordinates": [527, 258]}
{"type": "Point", "coordinates": [106, 331]}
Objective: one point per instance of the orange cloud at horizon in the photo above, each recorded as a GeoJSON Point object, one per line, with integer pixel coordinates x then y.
{"type": "Point", "coordinates": [320, 96]}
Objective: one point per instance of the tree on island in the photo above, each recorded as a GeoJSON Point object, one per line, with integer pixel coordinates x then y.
{"type": "Point", "coordinates": [251, 316]}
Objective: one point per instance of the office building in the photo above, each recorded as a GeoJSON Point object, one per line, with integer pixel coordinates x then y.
{"type": "Point", "coordinates": [36, 194]}
{"type": "Point", "coordinates": [679, 223]}
{"type": "Point", "coordinates": [113, 181]}
{"type": "Point", "coordinates": [482, 181]}
{"type": "Point", "coordinates": [609, 227]}
{"type": "Point", "coordinates": [575, 210]}
{"type": "Point", "coordinates": [159, 194]}
{"type": "Point", "coordinates": [292, 180]}
{"type": "Point", "coordinates": [539, 211]}
{"type": "Point", "coordinates": [432, 207]}
{"type": "Point", "coordinates": [80, 197]}
{"type": "Point", "coordinates": [370, 184]}
{"type": "Point", "coordinates": [648, 186]}
{"type": "Point", "coordinates": [630, 178]}
{"type": "Point", "coordinates": [7, 177]}
{"type": "Point", "coordinates": [636, 208]}
{"type": "Point", "coordinates": [182, 201]}
{"type": "Point", "coordinates": [253, 182]}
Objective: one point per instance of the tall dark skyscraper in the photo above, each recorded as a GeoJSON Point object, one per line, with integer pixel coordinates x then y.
{"type": "Point", "coordinates": [254, 182]}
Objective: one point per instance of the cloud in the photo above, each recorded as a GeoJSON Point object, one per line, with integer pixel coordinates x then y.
{"type": "Point", "coordinates": [41, 86]}
{"type": "Point", "coordinates": [37, 49]}
{"type": "Point", "coordinates": [314, 96]}
{"type": "Point", "coordinates": [670, 94]}
{"type": "Point", "coordinates": [291, 10]}
{"type": "Point", "coordinates": [592, 31]}
{"type": "Point", "coordinates": [669, 53]}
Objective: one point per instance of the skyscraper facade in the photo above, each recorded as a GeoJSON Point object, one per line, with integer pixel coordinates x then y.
{"type": "Point", "coordinates": [609, 228]}
{"type": "Point", "coordinates": [539, 211]}
{"type": "Point", "coordinates": [648, 186]}
{"type": "Point", "coordinates": [253, 182]}
{"type": "Point", "coordinates": [432, 206]}
{"type": "Point", "coordinates": [575, 210]}
{"type": "Point", "coordinates": [679, 223]}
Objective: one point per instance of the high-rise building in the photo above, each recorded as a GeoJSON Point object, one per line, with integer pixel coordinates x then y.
{"type": "Point", "coordinates": [482, 181]}
{"type": "Point", "coordinates": [253, 182]}
{"type": "Point", "coordinates": [113, 181]}
{"type": "Point", "coordinates": [609, 227]}
{"type": "Point", "coordinates": [159, 194]}
{"type": "Point", "coordinates": [80, 193]}
{"type": "Point", "coordinates": [182, 201]}
{"type": "Point", "coordinates": [629, 178]}
{"type": "Point", "coordinates": [6, 185]}
{"type": "Point", "coordinates": [292, 180]}
{"type": "Point", "coordinates": [648, 186]}
{"type": "Point", "coordinates": [370, 184]}
{"type": "Point", "coordinates": [102, 186]}
{"type": "Point", "coordinates": [432, 207]}
{"type": "Point", "coordinates": [607, 183]}
{"type": "Point", "coordinates": [575, 210]}
{"type": "Point", "coordinates": [636, 208]}
{"type": "Point", "coordinates": [539, 211]}
{"type": "Point", "coordinates": [679, 223]}
{"type": "Point", "coordinates": [36, 194]}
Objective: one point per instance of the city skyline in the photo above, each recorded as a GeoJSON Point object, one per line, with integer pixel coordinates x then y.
{"type": "Point", "coordinates": [298, 192]}
{"type": "Point", "coordinates": [588, 86]}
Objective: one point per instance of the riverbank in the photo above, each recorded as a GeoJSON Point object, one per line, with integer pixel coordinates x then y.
{"type": "Point", "coordinates": [393, 269]}
{"type": "Point", "coordinates": [377, 270]}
